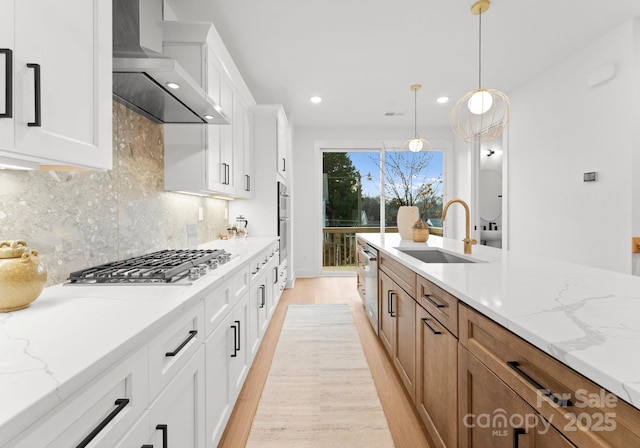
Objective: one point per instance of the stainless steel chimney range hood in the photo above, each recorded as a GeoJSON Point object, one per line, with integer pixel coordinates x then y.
{"type": "Point", "coordinates": [148, 82]}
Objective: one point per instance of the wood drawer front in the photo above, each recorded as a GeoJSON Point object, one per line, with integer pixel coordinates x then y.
{"type": "Point", "coordinates": [172, 349]}
{"type": "Point", "coordinates": [403, 276]}
{"type": "Point", "coordinates": [77, 417]}
{"type": "Point", "coordinates": [614, 424]}
{"type": "Point", "coordinates": [439, 303]}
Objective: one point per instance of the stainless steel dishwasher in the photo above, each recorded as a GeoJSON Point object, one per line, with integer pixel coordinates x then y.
{"type": "Point", "coordinates": [370, 261]}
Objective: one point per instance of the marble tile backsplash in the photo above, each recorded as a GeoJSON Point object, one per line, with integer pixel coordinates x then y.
{"type": "Point", "coordinates": [77, 219]}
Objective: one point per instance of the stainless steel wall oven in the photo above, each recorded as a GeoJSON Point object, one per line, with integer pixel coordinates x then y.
{"type": "Point", "coordinates": [284, 220]}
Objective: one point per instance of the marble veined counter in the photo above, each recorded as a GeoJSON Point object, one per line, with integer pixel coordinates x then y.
{"type": "Point", "coordinates": [72, 333]}
{"type": "Point", "coordinates": [587, 318]}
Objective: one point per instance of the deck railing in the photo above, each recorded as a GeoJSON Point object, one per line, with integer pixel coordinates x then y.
{"type": "Point", "coordinates": [339, 245]}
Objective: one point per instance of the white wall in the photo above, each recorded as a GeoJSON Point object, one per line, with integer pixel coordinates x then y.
{"type": "Point", "coordinates": [561, 129]}
{"type": "Point", "coordinates": [307, 197]}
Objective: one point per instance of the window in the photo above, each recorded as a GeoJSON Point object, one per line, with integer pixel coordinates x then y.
{"type": "Point", "coordinates": [355, 184]}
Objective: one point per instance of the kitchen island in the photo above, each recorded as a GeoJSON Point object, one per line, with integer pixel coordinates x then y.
{"type": "Point", "coordinates": [585, 318]}
{"type": "Point", "coordinates": [58, 352]}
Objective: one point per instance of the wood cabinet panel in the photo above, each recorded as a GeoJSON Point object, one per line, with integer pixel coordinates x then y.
{"type": "Point", "coordinates": [560, 394]}
{"type": "Point", "coordinates": [401, 275]}
{"type": "Point", "coordinates": [436, 379]}
{"type": "Point", "coordinates": [439, 303]}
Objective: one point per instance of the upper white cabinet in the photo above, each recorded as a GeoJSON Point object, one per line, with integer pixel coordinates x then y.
{"type": "Point", "coordinates": [282, 145]}
{"type": "Point", "coordinates": [208, 159]}
{"type": "Point", "coordinates": [55, 100]}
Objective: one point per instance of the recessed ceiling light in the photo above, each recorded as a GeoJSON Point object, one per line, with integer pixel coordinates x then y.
{"type": "Point", "coordinates": [315, 99]}
{"type": "Point", "coordinates": [173, 85]}
{"type": "Point", "coordinates": [442, 100]}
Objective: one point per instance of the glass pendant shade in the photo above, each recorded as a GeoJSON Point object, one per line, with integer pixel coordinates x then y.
{"type": "Point", "coordinates": [416, 144]}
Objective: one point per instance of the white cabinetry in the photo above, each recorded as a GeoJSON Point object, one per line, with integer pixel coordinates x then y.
{"type": "Point", "coordinates": [177, 417]}
{"type": "Point", "coordinates": [178, 385]}
{"type": "Point", "coordinates": [207, 159]}
{"type": "Point", "coordinates": [98, 414]}
{"type": "Point", "coordinates": [60, 68]}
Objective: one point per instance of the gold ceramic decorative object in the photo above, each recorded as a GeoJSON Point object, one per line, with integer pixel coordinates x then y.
{"type": "Point", "coordinates": [22, 276]}
{"type": "Point", "coordinates": [420, 231]}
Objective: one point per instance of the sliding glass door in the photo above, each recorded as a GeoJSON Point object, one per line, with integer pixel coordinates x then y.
{"type": "Point", "coordinates": [362, 190]}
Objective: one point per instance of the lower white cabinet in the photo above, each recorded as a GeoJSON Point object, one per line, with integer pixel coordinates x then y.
{"type": "Point", "coordinates": [258, 310]}
{"type": "Point", "coordinates": [227, 363]}
{"type": "Point", "coordinates": [97, 415]}
{"type": "Point", "coordinates": [178, 388]}
{"type": "Point", "coordinates": [177, 417]}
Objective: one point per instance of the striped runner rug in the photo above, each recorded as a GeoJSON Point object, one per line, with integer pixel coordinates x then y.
{"type": "Point", "coordinates": [319, 392]}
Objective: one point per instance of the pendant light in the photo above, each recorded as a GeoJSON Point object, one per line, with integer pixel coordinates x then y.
{"type": "Point", "coordinates": [483, 114]}
{"type": "Point", "coordinates": [416, 144]}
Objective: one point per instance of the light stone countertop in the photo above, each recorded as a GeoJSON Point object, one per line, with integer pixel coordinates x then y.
{"type": "Point", "coordinates": [585, 317]}
{"type": "Point", "coordinates": [72, 333]}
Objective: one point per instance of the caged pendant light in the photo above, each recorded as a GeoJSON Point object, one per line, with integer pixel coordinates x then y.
{"type": "Point", "coordinates": [482, 114]}
{"type": "Point", "coordinates": [416, 144]}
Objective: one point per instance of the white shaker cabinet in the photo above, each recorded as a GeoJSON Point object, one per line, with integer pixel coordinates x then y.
{"type": "Point", "coordinates": [177, 417]}
{"type": "Point", "coordinates": [207, 159]}
{"type": "Point", "coordinates": [59, 65]}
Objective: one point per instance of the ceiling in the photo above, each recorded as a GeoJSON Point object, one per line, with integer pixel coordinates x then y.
{"type": "Point", "coordinates": [362, 56]}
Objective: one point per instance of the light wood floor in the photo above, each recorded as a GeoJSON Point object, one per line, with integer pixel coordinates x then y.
{"type": "Point", "coordinates": [404, 423]}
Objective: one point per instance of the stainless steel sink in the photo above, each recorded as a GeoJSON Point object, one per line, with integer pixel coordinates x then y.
{"type": "Point", "coordinates": [435, 256]}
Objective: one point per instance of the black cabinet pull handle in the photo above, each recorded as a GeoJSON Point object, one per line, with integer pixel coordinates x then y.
{"type": "Point", "coordinates": [192, 334]}
{"type": "Point", "coordinates": [390, 303]}
{"type": "Point", "coordinates": [120, 404]}
{"type": "Point", "coordinates": [262, 293]}
{"type": "Point", "coordinates": [517, 432]}
{"type": "Point", "coordinates": [8, 83]}
{"type": "Point", "coordinates": [239, 333]}
{"type": "Point", "coordinates": [557, 399]}
{"type": "Point", "coordinates": [284, 164]}
{"type": "Point", "coordinates": [275, 275]}
{"type": "Point", "coordinates": [248, 182]}
{"type": "Point", "coordinates": [433, 302]}
{"type": "Point", "coordinates": [235, 340]}
{"type": "Point", "coordinates": [433, 330]}
{"type": "Point", "coordinates": [165, 435]}
{"type": "Point", "coordinates": [37, 91]}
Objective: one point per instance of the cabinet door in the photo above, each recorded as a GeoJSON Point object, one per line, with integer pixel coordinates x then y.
{"type": "Point", "coordinates": [490, 413]}
{"type": "Point", "coordinates": [257, 311]}
{"type": "Point", "coordinates": [404, 358]}
{"type": "Point", "coordinates": [226, 138]}
{"type": "Point", "coordinates": [387, 330]}
{"type": "Point", "coordinates": [436, 379]}
{"type": "Point", "coordinates": [7, 47]}
{"type": "Point", "coordinates": [220, 348]}
{"type": "Point", "coordinates": [177, 418]}
{"type": "Point", "coordinates": [282, 131]}
{"type": "Point", "coordinates": [247, 150]}
{"type": "Point", "coordinates": [63, 102]}
{"type": "Point", "coordinates": [242, 359]}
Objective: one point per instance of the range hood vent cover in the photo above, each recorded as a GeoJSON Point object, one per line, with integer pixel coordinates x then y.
{"type": "Point", "coordinates": [141, 73]}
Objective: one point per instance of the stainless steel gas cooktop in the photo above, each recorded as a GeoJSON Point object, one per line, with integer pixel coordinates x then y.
{"type": "Point", "coordinates": [177, 266]}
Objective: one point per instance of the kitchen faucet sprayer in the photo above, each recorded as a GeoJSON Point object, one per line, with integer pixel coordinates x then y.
{"type": "Point", "coordinates": [468, 242]}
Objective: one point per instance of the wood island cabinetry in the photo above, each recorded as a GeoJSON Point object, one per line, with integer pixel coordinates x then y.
{"type": "Point", "coordinates": [477, 384]}
{"type": "Point", "coordinates": [397, 320]}
{"type": "Point", "coordinates": [436, 362]}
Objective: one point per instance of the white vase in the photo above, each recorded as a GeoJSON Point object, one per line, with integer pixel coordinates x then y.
{"type": "Point", "coordinates": [407, 217]}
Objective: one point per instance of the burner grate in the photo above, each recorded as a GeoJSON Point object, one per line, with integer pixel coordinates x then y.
{"type": "Point", "coordinates": [165, 266]}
